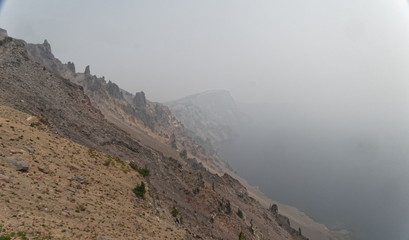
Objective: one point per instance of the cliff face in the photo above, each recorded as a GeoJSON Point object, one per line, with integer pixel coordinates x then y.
{"type": "Point", "coordinates": [206, 203]}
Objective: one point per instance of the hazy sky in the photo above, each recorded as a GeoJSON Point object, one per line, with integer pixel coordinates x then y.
{"type": "Point", "coordinates": [276, 51]}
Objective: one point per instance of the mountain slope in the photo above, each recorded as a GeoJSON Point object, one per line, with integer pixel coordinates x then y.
{"type": "Point", "coordinates": [147, 121]}
{"type": "Point", "coordinates": [68, 191]}
{"type": "Point", "coordinates": [210, 116]}
{"type": "Point", "coordinates": [206, 203]}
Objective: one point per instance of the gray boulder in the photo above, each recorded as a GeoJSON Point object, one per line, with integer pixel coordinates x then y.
{"type": "Point", "coordinates": [18, 164]}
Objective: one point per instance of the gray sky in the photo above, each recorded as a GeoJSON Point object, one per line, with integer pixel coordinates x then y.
{"type": "Point", "coordinates": [276, 51]}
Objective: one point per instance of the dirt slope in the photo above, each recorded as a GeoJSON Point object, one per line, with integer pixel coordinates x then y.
{"type": "Point", "coordinates": [69, 191]}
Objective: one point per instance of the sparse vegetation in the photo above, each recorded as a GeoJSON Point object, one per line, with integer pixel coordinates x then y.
{"type": "Point", "coordinates": [140, 190]}
{"type": "Point", "coordinates": [107, 162]}
{"type": "Point", "coordinates": [242, 236]}
{"type": "Point", "coordinates": [5, 237]}
{"type": "Point", "coordinates": [145, 172]}
{"type": "Point", "coordinates": [22, 235]}
{"type": "Point", "coordinates": [239, 213]}
{"type": "Point", "coordinates": [134, 166]}
{"type": "Point", "coordinates": [92, 153]}
{"type": "Point", "coordinates": [175, 212]}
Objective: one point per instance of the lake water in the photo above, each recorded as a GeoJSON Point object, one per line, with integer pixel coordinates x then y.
{"type": "Point", "coordinates": [344, 174]}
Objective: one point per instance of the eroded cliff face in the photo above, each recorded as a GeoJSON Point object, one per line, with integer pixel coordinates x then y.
{"type": "Point", "coordinates": [206, 203]}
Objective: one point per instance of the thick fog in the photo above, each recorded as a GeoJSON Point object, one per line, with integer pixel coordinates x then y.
{"type": "Point", "coordinates": [326, 84]}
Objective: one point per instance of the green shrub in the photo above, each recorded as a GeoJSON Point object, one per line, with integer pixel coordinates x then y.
{"type": "Point", "coordinates": [22, 235]}
{"type": "Point", "coordinates": [134, 166]}
{"type": "Point", "coordinates": [140, 190]}
{"type": "Point", "coordinates": [144, 171]}
{"type": "Point", "coordinates": [242, 236]}
{"type": "Point", "coordinates": [175, 212]}
{"type": "Point", "coordinates": [239, 213]}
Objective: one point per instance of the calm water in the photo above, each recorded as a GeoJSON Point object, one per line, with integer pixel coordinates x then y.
{"type": "Point", "coordinates": [345, 175]}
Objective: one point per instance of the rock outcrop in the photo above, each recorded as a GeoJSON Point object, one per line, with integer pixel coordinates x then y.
{"type": "Point", "coordinates": [71, 66]}
{"type": "Point", "coordinates": [114, 90]}
{"type": "Point", "coordinates": [87, 70]}
{"type": "Point", "coordinates": [139, 100]}
{"type": "Point", "coordinates": [18, 164]}
{"type": "Point", "coordinates": [3, 34]}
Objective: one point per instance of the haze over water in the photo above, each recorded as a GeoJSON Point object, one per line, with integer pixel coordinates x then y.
{"type": "Point", "coordinates": [343, 172]}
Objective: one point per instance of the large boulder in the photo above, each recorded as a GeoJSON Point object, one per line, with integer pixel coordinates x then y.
{"type": "Point", "coordinates": [18, 164]}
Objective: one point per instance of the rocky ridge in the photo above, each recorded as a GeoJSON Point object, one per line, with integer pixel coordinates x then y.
{"type": "Point", "coordinates": [126, 109]}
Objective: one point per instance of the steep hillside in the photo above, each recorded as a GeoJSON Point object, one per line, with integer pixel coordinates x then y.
{"type": "Point", "coordinates": [68, 191]}
{"type": "Point", "coordinates": [202, 204]}
{"type": "Point", "coordinates": [210, 116]}
{"type": "Point", "coordinates": [147, 121]}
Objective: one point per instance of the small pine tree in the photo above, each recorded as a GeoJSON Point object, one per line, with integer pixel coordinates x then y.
{"type": "Point", "coordinates": [299, 231]}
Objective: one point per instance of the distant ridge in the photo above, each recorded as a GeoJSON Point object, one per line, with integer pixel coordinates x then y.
{"type": "Point", "coordinates": [210, 116]}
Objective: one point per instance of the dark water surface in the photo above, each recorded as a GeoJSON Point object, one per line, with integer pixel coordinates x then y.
{"type": "Point", "coordinates": [344, 174]}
